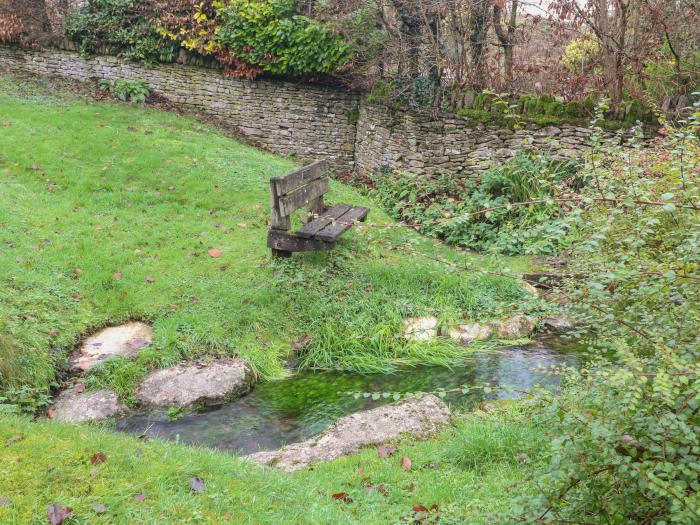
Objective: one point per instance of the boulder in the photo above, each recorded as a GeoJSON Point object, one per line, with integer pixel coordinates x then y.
{"type": "Point", "coordinates": [124, 340]}
{"type": "Point", "coordinates": [558, 323]}
{"type": "Point", "coordinates": [516, 327]}
{"type": "Point", "coordinates": [530, 289]}
{"type": "Point", "coordinates": [466, 333]}
{"type": "Point", "coordinates": [86, 406]}
{"type": "Point", "coordinates": [185, 385]}
{"type": "Point", "coordinates": [417, 417]}
{"type": "Point", "coordinates": [420, 328]}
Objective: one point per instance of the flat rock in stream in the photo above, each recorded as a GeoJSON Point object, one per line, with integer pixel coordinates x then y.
{"type": "Point", "coordinates": [418, 417]}
{"type": "Point", "coordinates": [516, 327]}
{"type": "Point", "coordinates": [124, 340]}
{"type": "Point", "coordinates": [185, 385]}
{"type": "Point", "coordinates": [86, 406]}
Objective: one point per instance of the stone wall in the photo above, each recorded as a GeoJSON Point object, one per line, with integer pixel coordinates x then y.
{"type": "Point", "coordinates": [389, 140]}
{"type": "Point", "coordinates": [313, 122]}
{"type": "Point", "coordinates": [290, 119]}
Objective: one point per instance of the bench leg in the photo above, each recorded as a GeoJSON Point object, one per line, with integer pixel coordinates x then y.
{"type": "Point", "coordinates": [281, 254]}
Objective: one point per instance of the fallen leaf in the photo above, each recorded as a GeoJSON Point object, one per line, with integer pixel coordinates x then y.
{"type": "Point", "coordinates": [382, 489]}
{"type": "Point", "coordinates": [214, 253]}
{"type": "Point", "coordinates": [197, 485]}
{"type": "Point", "coordinates": [385, 452]}
{"type": "Point", "coordinates": [51, 413]}
{"type": "Point", "coordinates": [5, 501]}
{"type": "Point", "coordinates": [342, 496]}
{"type": "Point", "coordinates": [140, 497]}
{"type": "Point", "coordinates": [76, 296]}
{"type": "Point", "coordinates": [78, 271]}
{"type": "Point", "coordinates": [117, 276]}
{"type": "Point", "coordinates": [98, 457]}
{"type": "Point", "coordinates": [53, 333]}
{"type": "Point", "coordinates": [99, 508]}
{"type": "Point", "coordinates": [79, 388]}
{"type": "Point", "coordinates": [406, 463]}
{"type": "Point", "coordinates": [420, 508]}
{"type": "Point", "coordinates": [150, 279]}
{"type": "Point", "coordinates": [14, 439]}
{"type": "Point", "coordinates": [57, 514]}
{"type": "Point", "coordinates": [242, 225]}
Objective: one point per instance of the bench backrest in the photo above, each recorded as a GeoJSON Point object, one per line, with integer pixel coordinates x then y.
{"type": "Point", "coordinates": [302, 188]}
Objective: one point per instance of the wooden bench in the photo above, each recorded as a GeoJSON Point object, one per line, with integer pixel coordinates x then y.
{"type": "Point", "coordinates": [305, 188]}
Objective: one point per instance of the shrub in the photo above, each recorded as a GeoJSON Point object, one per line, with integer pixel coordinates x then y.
{"type": "Point", "coordinates": [134, 91]}
{"type": "Point", "coordinates": [122, 26]}
{"type": "Point", "coordinates": [625, 432]}
{"type": "Point", "coordinates": [482, 216]}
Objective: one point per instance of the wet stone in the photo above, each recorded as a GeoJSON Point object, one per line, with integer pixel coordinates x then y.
{"type": "Point", "coordinates": [420, 328]}
{"type": "Point", "coordinates": [516, 327]}
{"type": "Point", "coordinates": [416, 417]}
{"type": "Point", "coordinates": [86, 406]}
{"type": "Point", "coordinates": [467, 333]}
{"type": "Point", "coordinates": [124, 340]}
{"type": "Point", "coordinates": [185, 385]}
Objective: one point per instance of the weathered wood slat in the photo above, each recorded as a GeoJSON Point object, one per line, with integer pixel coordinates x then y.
{"type": "Point", "coordinates": [342, 224]}
{"type": "Point", "coordinates": [283, 241]}
{"type": "Point", "coordinates": [301, 197]}
{"type": "Point", "coordinates": [316, 225]}
{"type": "Point", "coordinates": [300, 177]}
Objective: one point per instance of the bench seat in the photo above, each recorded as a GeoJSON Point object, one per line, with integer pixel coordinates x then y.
{"type": "Point", "coordinates": [332, 223]}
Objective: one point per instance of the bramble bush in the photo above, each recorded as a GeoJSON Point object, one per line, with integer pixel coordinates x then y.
{"type": "Point", "coordinates": [625, 432]}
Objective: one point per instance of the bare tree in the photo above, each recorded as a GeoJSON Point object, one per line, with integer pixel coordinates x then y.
{"type": "Point", "coordinates": [506, 34]}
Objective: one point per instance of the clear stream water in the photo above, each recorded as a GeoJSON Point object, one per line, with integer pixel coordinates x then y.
{"type": "Point", "coordinates": [295, 408]}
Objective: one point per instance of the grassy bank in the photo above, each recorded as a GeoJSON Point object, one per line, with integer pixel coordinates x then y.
{"type": "Point", "coordinates": [108, 212]}
{"type": "Point", "coordinates": [470, 474]}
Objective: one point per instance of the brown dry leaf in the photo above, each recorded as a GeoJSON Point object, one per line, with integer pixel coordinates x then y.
{"type": "Point", "coordinates": [382, 489]}
{"type": "Point", "coordinates": [117, 276]}
{"type": "Point", "coordinates": [79, 388]}
{"type": "Point", "coordinates": [4, 501]}
{"type": "Point", "coordinates": [98, 457]}
{"type": "Point", "coordinates": [78, 271]}
{"type": "Point", "coordinates": [57, 514]}
{"type": "Point", "coordinates": [150, 279]}
{"type": "Point", "coordinates": [406, 463]}
{"type": "Point", "coordinates": [342, 496]}
{"type": "Point", "coordinates": [51, 413]}
{"type": "Point", "coordinates": [99, 508]}
{"type": "Point", "coordinates": [140, 497]}
{"type": "Point", "coordinates": [214, 253]}
{"type": "Point", "coordinates": [242, 225]}
{"type": "Point", "coordinates": [14, 439]}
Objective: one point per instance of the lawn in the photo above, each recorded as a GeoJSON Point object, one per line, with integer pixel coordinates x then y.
{"type": "Point", "coordinates": [107, 214]}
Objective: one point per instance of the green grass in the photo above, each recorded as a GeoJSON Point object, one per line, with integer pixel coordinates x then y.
{"type": "Point", "coordinates": [91, 189]}
{"type": "Point", "coordinates": [470, 473]}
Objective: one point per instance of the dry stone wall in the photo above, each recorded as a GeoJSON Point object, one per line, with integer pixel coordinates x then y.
{"type": "Point", "coordinates": [307, 121]}
{"type": "Point", "coordinates": [313, 122]}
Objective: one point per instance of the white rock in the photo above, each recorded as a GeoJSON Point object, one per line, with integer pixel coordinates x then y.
{"type": "Point", "coordinates": [185, 385]}
{"type": "Point", "coordinates": [516, 327]}
{"type": "Point", "coordinates": [467, 333]}
{"type": "Point", "coordinates": [86, 406]}
{"type": "Point", "coordinates": [123, 340]}
{"type": "Point", "coordinates": [420, 328]}
{"type": "Point", "coordinates": [417, 417]}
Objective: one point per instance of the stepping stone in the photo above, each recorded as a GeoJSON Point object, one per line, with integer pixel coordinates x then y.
{"type": "Point", "coordinates": [466, 333]}
{"type": "Point", "coordinates": [558, 323]}
{"type": "Point", "coordinates": [417, 417]}
{"type": "Point", "coordinates": [420, 328]}
{"type": "Point", "coordinates": [516, 327]}
{"type": "Point", "coordinates": [86, 406]}
{"type": "Point", "coordinates": [124, 340]}
{"type": "Point", "coordinates": [186, 385]}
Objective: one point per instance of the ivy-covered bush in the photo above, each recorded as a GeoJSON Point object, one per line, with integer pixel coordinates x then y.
{"type": "Point", "coordinates": [510, 211]}
{"type": "Point", "coordinates": [248, 37]}
{"type": "Point", "coordinates": [122, 26]}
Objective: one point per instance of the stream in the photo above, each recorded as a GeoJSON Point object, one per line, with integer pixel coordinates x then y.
{"type": "Point", "coordinates": [293, 409]}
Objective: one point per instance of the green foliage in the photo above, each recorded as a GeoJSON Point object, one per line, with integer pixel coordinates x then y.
{"type": "Point", "coordinates": [625, 432]}
{"type": "Point", "coordinates": [488, 215]}
{"type": "Point", "coordinates": [271, 35]}
{"type": "Point", "coordinates": [122, 27]}
{"type": "Point", "coordinates": [581, 54]}
{"type": "Point", "coordinates": [134, 91]}
{"type": "Point", "coordinates": [24, 400]}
